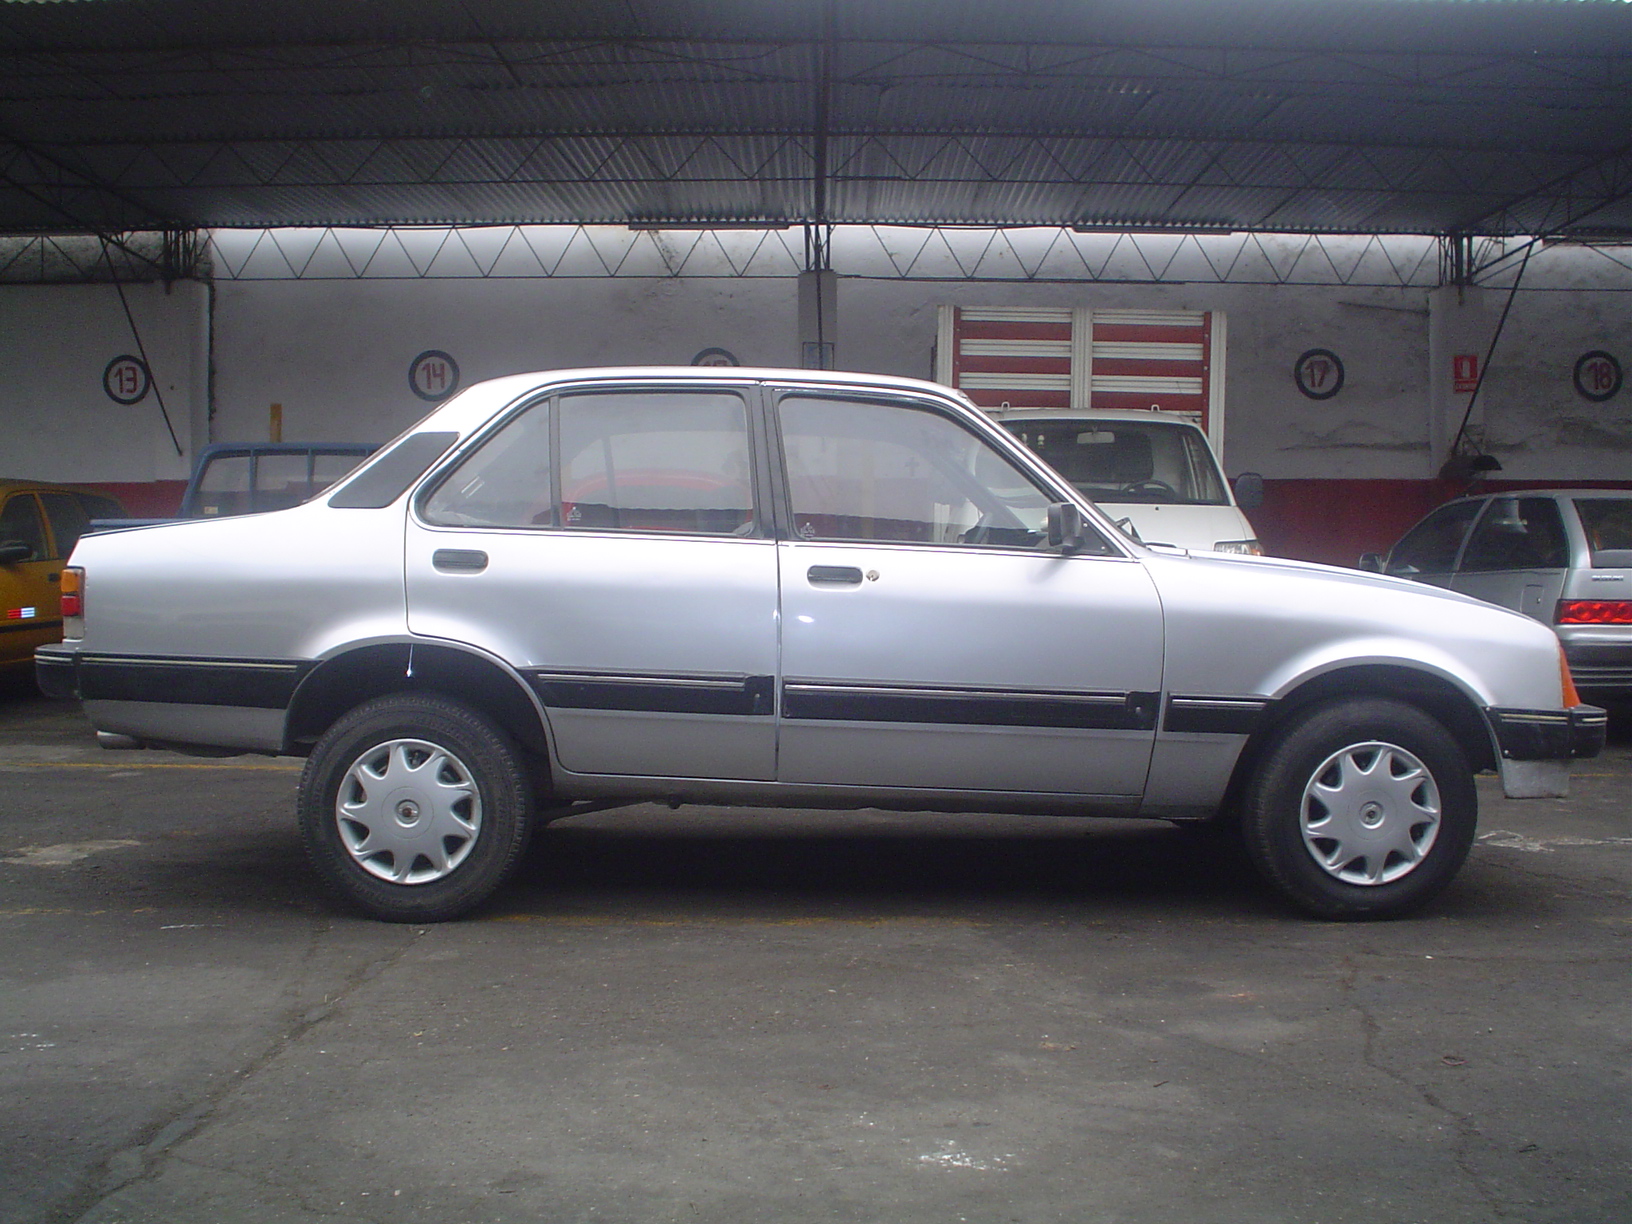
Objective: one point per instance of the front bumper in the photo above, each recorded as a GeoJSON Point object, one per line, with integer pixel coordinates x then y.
{"type": "Point", "coordinates": [1537, 747]}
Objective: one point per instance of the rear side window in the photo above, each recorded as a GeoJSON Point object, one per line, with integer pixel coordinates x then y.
{"type": "Point", "coordinates": [672, 461]}
{"type": "Point", "coordinates": [505, 483]}
{"type": "Point", "coordinates": [68, 520]}
{"type": "Point", "coordinates": [1518, 533]}
{"type": "Point", "coordinates": [1608, 524]}
{"type": "Point", "coordinates": [1430, 547]}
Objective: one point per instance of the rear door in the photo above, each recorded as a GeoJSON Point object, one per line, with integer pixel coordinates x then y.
{"type": "Point", "coordinates": [609, 543]}
{"type": "Point", "coordinates": [931, 639]}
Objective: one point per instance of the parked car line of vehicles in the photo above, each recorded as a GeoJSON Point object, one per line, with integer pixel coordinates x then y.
{"type": "Point", "coordinates": [794, 588]}
{"type": "Point", "coordinates": [1561, 556]}
{"type": "Point", "coordinates": [39, 526]}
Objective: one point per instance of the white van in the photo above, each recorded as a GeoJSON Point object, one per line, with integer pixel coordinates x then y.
{"type": "Point", "coordinates": [1151, 471]}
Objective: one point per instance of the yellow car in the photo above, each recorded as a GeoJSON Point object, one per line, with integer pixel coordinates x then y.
{"type": "Point", "coordinates": [39, 526]}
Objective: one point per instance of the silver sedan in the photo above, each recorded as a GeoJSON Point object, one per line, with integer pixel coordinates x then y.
{"type": "Point", "coordinates": [769, 587]}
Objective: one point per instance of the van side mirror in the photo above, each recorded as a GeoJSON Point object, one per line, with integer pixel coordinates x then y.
{"type": "Point", "coordinates": [1249, 490]}
{"type": "Point", "coordinates": [1065, 527]}
{"type": "Point", "coordinates": [13, 551]}
{"type": "Point", "coordinates": [1372, 563]}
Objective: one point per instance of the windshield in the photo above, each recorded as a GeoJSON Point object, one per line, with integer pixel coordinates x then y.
{"type": "Point", "coordinates": [1128, 461]}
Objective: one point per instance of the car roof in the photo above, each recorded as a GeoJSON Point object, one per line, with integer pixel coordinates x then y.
{"type": "Point", "coordinates": [8, 485]}
{"type": "Point", "coordinates": [1139, 416]}
{"type": "Point", "coordinates": [1593, 492]}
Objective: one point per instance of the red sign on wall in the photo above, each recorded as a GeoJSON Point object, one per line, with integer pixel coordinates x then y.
{"type": "Point", "coordinates": [1464, 373]}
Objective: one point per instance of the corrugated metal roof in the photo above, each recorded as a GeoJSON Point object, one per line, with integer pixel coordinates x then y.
{"type": "Point", "coordinates": [1425, 116]}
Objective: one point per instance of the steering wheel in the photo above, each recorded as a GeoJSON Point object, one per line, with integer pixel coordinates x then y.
{"type": "Point", "coordinates": [1152, 488]}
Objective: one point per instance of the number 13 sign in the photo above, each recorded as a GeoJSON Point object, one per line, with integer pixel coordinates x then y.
{"type": "Point", "coordinates": [126, 380]}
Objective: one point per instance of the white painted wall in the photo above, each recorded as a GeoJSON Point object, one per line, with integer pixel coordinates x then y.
{"type": "Point", "coordinates": [335, 354]}
{"type": "Point", "coordinates": [57, 422]}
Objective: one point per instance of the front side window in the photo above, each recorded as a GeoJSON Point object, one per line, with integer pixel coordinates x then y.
{"type": "Point", "coordinates": [1517, 533]}
{"type": "Point", "coordinates": [20, 524]}
{"type": "Point", "coordinates": [1430, 547]}
{"type": "Point", "coordinates": [866, 470]}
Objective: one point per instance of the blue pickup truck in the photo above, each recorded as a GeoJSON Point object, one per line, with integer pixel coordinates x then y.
{"type": "Point", "coordinates": [247, 477]}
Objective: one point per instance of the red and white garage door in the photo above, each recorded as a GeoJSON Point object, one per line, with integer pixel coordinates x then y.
{"type": "Point", "coordinates": [1063, 357]}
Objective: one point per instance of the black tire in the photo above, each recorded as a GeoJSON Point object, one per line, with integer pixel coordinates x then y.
{"type": "Point", "coordinates": [1362, 808]}
{"type": "Point", "coordinates": [414, 808]}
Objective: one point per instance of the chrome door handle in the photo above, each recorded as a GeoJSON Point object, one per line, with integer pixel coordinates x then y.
{"type": "Point", "coordinates": [834, 575]}
{"type": "Point", "coordinates": [459, 560]}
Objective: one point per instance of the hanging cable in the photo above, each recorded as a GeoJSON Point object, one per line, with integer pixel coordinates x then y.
{"type": "Point", "coordinates": [141, 350]}
{"type": "Point", "coordinates": [1450, 467]}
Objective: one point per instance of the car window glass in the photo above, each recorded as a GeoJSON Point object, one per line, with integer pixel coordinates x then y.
{"type": "Point", "coordinates": [328, 468]}
{"type": "Point", "coordinates": [20, 522]}
{"type": "Point", "coordinates": [67, 518]}
{"type": "Point", "coordinates": [1430, 547]}
{"type": "Point", "coordinates": [504, 483]}
{"type": "Point", "coordinates": [223, 487]}
{"type": "Point", "coordinates": [1127, 461]}
{"type": "Point", "coordinates": [1608, 524]}
{"type": "Point", "coordinates": [672, 461]}
{"type": "Point", "coordinates": [100, 507]}
{"type": "Point", "coordinates": [1516, 533]}
{"type": "Point", "coordinates": [867, 470]}
{"type": "Point", "coordinates": [284, 480]}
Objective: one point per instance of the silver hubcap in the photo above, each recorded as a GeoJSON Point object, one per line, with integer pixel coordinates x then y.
{"type": "Point", "coordinates": [1370, 813]}
{"type": "Point", "coordinates": [408, 811]}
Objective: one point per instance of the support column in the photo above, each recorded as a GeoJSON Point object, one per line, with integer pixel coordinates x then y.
{"type": "Point", "coordinates": [818, 319]}
{"type": "Point", "coordinates": [1459, 327]}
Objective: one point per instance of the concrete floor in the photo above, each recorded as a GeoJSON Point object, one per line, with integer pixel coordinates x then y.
{"type": "Point", "coordinates": [747, 1016]}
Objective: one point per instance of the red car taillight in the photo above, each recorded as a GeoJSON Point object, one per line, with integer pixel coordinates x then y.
{"type": "Point", "coordinates": [1593, 612]}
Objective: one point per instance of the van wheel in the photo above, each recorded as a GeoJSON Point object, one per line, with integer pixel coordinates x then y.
{"type": "Point", "coordinates": [1364, 808]}
{"type": "Point", "coordinates": [414, 808]}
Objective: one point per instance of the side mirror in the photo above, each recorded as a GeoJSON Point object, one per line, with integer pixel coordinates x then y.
{"type": "Point", "coordinates": [1249, 490]}
{"type": "Point", "coordinates": [1372, 563]}
{"type": "Point", "coordinates": [13, 551]}
{"type": "Point", "coordinates": [1065, 527]}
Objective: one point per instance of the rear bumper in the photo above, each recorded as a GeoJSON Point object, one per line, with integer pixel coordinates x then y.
{"type": "Point", "coordinates": [56, 672]}
{"type": "Point", "coordinates": [1599, 667]}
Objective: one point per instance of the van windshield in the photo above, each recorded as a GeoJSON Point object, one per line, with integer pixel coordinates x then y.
{"type": "Point", "coordinates": [1127, 461]}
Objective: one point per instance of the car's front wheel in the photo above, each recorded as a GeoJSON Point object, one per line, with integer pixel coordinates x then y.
{"type": "Point", "coordinates": [1364, 808]}
{"type": "Point", "coordinates": [414, 808]}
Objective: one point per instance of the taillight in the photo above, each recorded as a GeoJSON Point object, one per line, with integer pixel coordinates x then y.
{"type": "Point", "coordinates": [73, 601]}
{"type": "Point", "coordinates": [1593, 612]}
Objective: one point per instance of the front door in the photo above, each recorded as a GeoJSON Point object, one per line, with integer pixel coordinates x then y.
{"type": "Point", "coordinates": [931, 638]}
{"type": "Point", "coordinates": [608, 544]}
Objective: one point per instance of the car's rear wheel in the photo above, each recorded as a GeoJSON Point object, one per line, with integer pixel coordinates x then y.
{"type": "Point", "coordinates": [414, 808]}
{"type": "Point", "coordinates": [1364, 808]}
